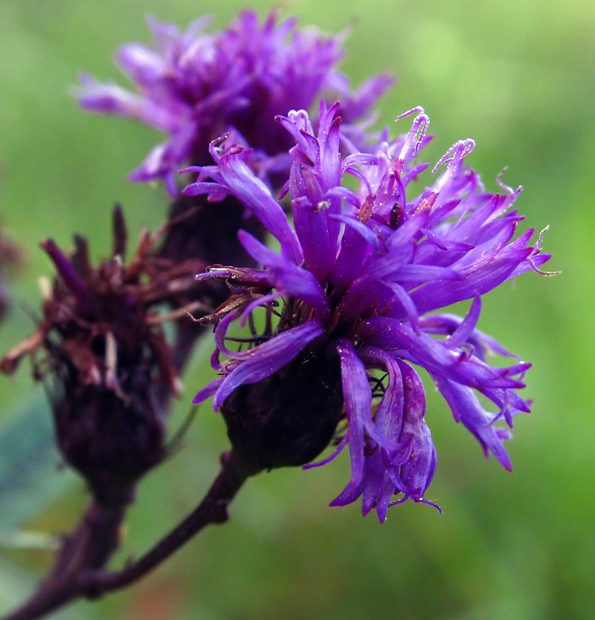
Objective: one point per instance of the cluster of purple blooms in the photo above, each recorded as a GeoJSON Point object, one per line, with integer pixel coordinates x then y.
{"type": "Point", "coordinates": [366, 262]}
{"type": "Point", "coordinates": [367, 268]}
{"type": "Point", "coordinates": [196, 85]}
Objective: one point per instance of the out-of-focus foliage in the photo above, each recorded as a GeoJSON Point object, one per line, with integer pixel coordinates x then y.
{"type": "Point", "coordinates": [28, 477]}
{"type": "Point", "coordinates": [517, 76]}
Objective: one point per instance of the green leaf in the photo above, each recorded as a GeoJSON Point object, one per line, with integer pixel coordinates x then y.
{"type": "Point", "coordinates": [29, 463]}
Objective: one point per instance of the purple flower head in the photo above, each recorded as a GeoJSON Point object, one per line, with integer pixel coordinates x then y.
{"type": "Point", "coordinates": [351, 309]}
{"type": "Point", "coordinates": [196, 85]}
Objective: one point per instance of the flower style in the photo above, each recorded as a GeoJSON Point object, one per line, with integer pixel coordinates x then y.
{"type": "Point", "coordinates": [194, 86]}
{"type": "Point", "coordinates": [350, 302]}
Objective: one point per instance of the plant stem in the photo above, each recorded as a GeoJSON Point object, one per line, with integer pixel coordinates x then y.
{"type": "Point", "coordinates": [84, 577]}
{"type": "Point", "coordinates": [88, 548]}
{"type": "Point", "coordinates": [212, 509]}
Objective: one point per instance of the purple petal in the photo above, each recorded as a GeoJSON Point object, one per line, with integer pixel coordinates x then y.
{"type": "Point", "coordinates": [467, 409]}
{"type": "Point", "coordinates": [311, 226]}
{"type": "Point", "coordinates": [207, 391]}
{"type": "Point", "coordinates": [254, 194]}
{"type": "Point", "coordinates": [463, 332]}
{"type": "Point", "coordinates": [267, 358]}
{"type": "Point", "coordinates": [417, 473]}
{"type": "Point", "coordinates": [286, 276]}
{"type": "Point", "coordinates": [438, 358]}
{"type": "Point", "coordinates": [358, 403]}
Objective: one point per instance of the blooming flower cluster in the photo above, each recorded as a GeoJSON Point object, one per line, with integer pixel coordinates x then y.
{"type": "Point", "coordinates": [195, 85]}
{"type": "Point", "coordinates": [317, 344]}
{"type": "Point", "coordinates": [351, 303]}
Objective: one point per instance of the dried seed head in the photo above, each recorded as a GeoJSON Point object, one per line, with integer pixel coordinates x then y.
{"type": "Point", "coordinates": [105, 359]}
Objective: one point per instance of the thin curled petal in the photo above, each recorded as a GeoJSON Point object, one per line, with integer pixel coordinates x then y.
{"type": "Point", "coordinates": [264, 360]}
{"type": "Point", "coordinates": [468, 410]}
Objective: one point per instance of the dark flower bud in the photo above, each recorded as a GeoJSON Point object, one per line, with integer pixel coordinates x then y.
{"type": "Point", "coordinates": [206, 234]}
{"type": "Point", "coordinates": [290, 417]}
{"type": "Point", "coordinates": [112, 438]}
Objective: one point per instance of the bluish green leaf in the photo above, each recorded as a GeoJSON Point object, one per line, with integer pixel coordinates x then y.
{"type": "Point", "coordinates": [30, 474]}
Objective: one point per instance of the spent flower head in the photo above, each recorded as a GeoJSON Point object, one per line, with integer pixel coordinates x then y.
{"type": "Point", "coordinates": [102, 352]}
{"type": "Point", "coordinates": [196, 85]}
{"type": "Point", "coordinates": [352, 303]}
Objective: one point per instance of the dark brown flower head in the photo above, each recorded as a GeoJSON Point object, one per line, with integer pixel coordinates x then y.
{"type": "Point", "coordinates": [289, 417]}
{"type": "Point", "coordinates": [105, 358]}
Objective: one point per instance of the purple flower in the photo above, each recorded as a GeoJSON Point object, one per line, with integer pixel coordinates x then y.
{"type": "Point", "coordinates": [195, 85]}
{"type": "Point", "coordinates": [350, 308]}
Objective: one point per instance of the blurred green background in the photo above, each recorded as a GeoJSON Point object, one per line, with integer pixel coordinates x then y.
{"type": "Point", "coordinates": [516, 75]}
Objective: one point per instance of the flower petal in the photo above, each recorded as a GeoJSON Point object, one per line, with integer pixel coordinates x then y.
{"type": "Point", "coordinates": [265, 359]}
{"type": "Point", "coordinates": [468, 410]}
